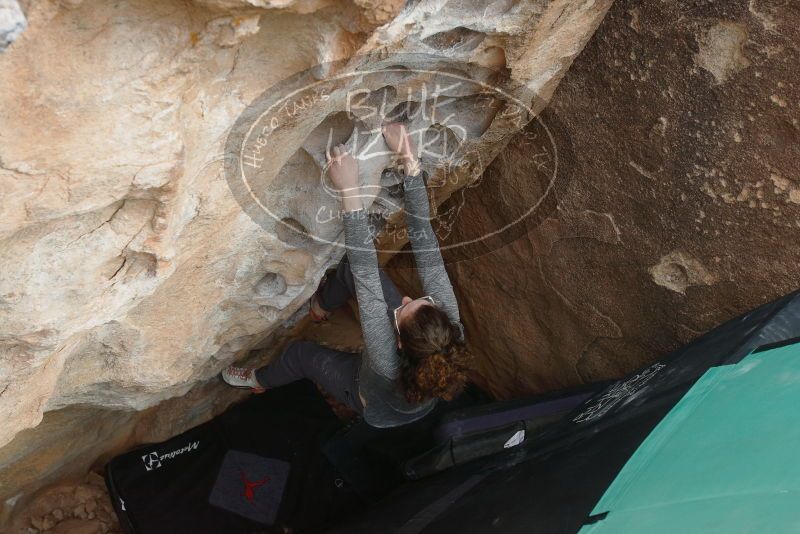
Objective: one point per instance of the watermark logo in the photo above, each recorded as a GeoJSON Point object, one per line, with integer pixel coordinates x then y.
{"type": "Point", "coordinates": [277, 169]}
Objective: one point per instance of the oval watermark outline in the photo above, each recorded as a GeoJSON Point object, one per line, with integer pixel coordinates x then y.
{"type": "Point", "coordinates": [361, 73]}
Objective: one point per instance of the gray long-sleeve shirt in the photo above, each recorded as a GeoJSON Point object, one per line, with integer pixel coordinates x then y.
{"type": "Point", "coordinates": [379, 374]}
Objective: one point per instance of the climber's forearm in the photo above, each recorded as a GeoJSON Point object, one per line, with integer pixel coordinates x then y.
{"type": "Point", "coordinates": [378, 331]}
{"type": "Point", "coordinates": [351, 200]}
{"type": "Point", "coordinates": [425, 244]}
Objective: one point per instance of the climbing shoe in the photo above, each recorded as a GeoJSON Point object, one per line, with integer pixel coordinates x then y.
{"type": "Point", "coordinates": [318, 315]}
{"type": "Point", "coordinates": [315, 310]}
{"type": "Point", "coordinates": [241, 377]}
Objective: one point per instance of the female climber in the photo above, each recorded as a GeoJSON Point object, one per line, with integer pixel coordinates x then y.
{"type": "Point", "coordinates": [414, 349]}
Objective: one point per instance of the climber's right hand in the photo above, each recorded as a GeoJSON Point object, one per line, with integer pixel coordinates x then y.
{"type": "Point", "coordinates": [343, 171]}
{"type": "Point", "coordinates": [398, 139]}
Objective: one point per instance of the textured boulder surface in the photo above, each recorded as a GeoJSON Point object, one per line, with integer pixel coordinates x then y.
{"type": "Point", "coordinates": [130, 274]}
{"type": "Point", "coordinates": [83, 508]}
{"type": "Point", "coordinates": [676, 205]}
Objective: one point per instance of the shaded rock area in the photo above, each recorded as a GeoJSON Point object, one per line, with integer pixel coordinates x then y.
{"type": "Point", "coordinates": [71, 441]}
{"type": "Point", "coordinates": [674, 205]}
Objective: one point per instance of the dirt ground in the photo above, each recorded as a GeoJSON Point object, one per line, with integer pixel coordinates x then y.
{"type": "Point", "coordinates": [82, 508]}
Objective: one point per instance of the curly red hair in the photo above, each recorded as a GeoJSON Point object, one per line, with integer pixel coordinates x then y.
{"type": "Point", "coordinates": [435, 362]}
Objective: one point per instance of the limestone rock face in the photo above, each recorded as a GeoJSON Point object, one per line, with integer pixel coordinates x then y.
{"type": "Point", "coordinates": [674, 206]}
{"type": "Point", "coordinates": [129, 271]}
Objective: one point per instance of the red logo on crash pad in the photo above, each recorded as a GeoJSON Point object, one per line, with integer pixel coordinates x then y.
{"type": "Point", "coordinates": [251, 485]}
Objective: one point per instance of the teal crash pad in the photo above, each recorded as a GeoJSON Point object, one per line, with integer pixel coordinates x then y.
{"type": "Point", "coordinates": [725, 459]}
